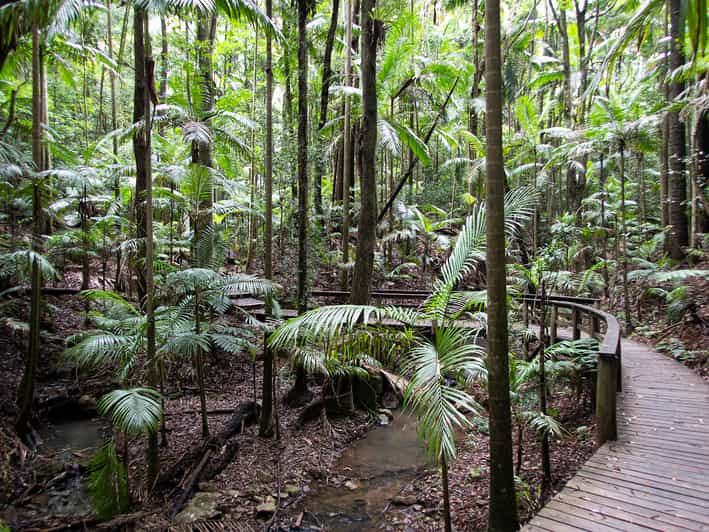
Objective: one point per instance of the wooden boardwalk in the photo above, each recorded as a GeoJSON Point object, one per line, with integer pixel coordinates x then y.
{"type": "Point", "coordinates": [656, 476]}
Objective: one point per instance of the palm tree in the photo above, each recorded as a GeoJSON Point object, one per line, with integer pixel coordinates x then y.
{"type": "Point", "coordinates": [304, 9]}
{"type": "Point", "coordinates": [503, 502]}
{"type": "Point", "coordinates": [201, 290]}
{"type": "Point", "coordinates": [367, 224]}
{"type": "Point", "coordinates": [439, 406]}
{"type": "Point", "coordinates": [266, 421]}
{"type": "Point", "coordinates": [450, 353]}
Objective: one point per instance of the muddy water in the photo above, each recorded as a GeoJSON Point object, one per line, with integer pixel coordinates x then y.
{"type": "Point", "coordinates": [70, 442]}
{"type": "Point", "coordinates": [380, 465]}
{"type": "Point", "coordinates": [73, 436]}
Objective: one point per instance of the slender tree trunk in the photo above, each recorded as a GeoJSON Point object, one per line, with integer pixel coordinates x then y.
{"type": "Point", "coordinates": [701, 183]}
{"type": "Point", "coordinates": [347, 149]}
{"type": "Point", "coordinates": [640, 160]}
{"type": "Point", "coordinates": [253, 173]}
{"type": "Point", "coordinates": [624, 241]}
{"type": "Point", "coordinates": [367, 225]}
{"type": "Point", "coordinates": [112, 77]}
{"type": "Point", "coordinates": [604, 241]}
{"type": "Point", "coordinates": [679, 235]}
{"type": "Point", "coordinates": [546, 460]}
{"type": "Point", "coordinates": [140, 147]}
{"type": "Point", "coordinates": [503, 500]}
{"type": "Point", "coordinates": [202, 151]}
{"type": "Point", "coordinates": [446, 495]}
{"type": "Point", "coordinates": [25, 395]}
{"type": "Point", "coordinates": [324, 100]}
{"type": "Point", "coordinates": [144, 69]}
{"type": "Point", "coordinates": [266, 421]}
{"type": "Point", "coordinates": [304, 7]}
{"type": "Point", "coordinates": [199, 367]}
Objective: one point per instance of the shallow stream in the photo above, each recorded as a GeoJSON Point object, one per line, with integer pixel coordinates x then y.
{"type": "Point", "coordinates": [380, 466]}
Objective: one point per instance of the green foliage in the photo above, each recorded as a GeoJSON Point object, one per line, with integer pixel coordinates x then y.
{"type": "Point", "coordinates": [134, 411]}
{"type": "Point", "coordinates": [439, 406]}
{"type": "Point", "coordinates": [107, 483]}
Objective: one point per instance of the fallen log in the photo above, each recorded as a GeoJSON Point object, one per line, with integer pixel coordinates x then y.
{"type": "Point", "coordinates": [194, 466]}
{"type": "Point", "coordinates": [120, 521]}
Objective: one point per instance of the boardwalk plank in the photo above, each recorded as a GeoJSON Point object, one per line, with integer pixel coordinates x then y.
{"type": "Point", "coordinates": [656, 476]}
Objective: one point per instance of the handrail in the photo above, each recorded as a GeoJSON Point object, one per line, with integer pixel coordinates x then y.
{"type": "Point", "coordinates": [610, 346]}
{"type": "Point", "coordinates": [608, 376]}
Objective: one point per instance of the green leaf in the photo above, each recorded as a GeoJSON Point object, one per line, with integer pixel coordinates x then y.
{"type": "Point", "coordinates": [133, 411]}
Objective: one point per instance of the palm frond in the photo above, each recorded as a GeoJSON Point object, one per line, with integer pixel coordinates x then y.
{"type": "Point", "coordinates": [134, 411]}
{"type": "Point", "coordinates": [324, 323]}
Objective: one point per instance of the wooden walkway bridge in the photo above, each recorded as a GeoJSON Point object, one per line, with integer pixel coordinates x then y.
{"type": "Point", "coordinates": [651, 471]}
{"type": "Point", "coordinates": [656, 475]}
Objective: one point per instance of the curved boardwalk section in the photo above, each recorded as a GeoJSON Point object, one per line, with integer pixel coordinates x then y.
{"type": "Point", "coordinates": [656, 476]}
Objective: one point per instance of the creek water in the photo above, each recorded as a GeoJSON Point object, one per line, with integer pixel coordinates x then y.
{"type": "Point", "coordinates": [69, 442]}
{"type": "Point", "coordinates": [381, 464]}
{"type": "Point", "coordinates": [64, 438]}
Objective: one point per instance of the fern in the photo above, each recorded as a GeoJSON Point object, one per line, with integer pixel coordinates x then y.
{"type": "Point", "coordinates": [107, 483]}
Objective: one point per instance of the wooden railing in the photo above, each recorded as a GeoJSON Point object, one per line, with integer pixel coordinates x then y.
{"type": "Point", "coordinates": [608, 377]}
{"type": "Point", "coordinates": [583, 316]}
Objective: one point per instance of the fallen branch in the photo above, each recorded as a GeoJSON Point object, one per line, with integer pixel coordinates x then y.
{"type": "Point", "coordinates": [193, 467]}
{"type": "Point", "coordinates": [413, 162]}
{"type": "Point", "coordinates": [120, 521]}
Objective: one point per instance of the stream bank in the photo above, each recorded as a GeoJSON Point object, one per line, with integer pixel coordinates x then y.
{"type": "Point", "coordinates": [374, 472]}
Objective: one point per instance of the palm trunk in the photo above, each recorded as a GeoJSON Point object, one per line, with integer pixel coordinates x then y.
{"type": "Point", "coordinates": [199, 369]}
{"type": "Point", "coordinates": [25, 395]}
{"type": "Point", "coordinates": [303, 9]}
{"type": "Point", "coordinates": [503, 501]}
{"type": "Point", "coordinates": [546, 460]}
{"type": "Point", "coordinates": [367, 224]}
{"type": "Point", "coordinates": [144, 66]}
{"type": "Point", "coordinates": [347, 150]}
{"type": "Point", "coordinates": [202, 151]}
{"type": "Point", "coordinates": [624, 240]}
{"type": "Point", "coordinates": [266, 421]}
{"type": "Point", "coordinates": [679, 235]}
{"type": "Point", "coordinates": [446, 495]}
{"type": "Point", "coordinates": [324, 100]}
{"type": "Point", "coordinates": [253, 174]}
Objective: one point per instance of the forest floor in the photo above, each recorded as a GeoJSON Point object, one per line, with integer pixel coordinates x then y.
{"type": "Point", "coordinates": [685, 339]}
{"type": "Point", "coordinates": [303, 458]}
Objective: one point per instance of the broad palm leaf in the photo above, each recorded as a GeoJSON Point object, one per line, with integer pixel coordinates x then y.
{"type": "Point", "coordinates": [439, 406]}
{"type": "Point", "coordinates": [134, 411]}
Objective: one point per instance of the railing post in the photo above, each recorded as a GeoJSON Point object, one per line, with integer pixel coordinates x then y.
{"type": "Point", "coordinates": [575, 324]}
{"type": "Point", "coordinates": [525, 313]}
{"type": "Point", "coordinates": [595, 326]}
{"type": "Point", "coordinates": [619, 362]}
{"type": "Point", "coordinates": [606, 384]}
{"type": "Point", "coordinates": [553, 325]}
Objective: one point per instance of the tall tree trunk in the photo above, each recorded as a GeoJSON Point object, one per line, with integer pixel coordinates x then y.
{"type": "Point", "coordinates": [253, 173]}
{"type": "Point", "coordinates": [640, 161]}
{"type": "Point", "coordinates": [304, 7]}
{"type": "Point", "coordinates": [367, 224]}
{"type": "Point", "coordinates": [144, 68]}
{"type": "Point", "coordinates": [546, 460]}
{"type": "Point", "coordinates": [347, 165]}
{"type": "Point", "coordinates": [503, 500]}
{"type": "Point", "coordinates": [140, 147]}
{"type": "Point", "coordinates": [624, 241]}
{"type": "Point", "coordinates": [25, 393]}
{"type": "Point", "coordinates": [679, 235]}
{"type": "Point", "coordinates": [202, 151]}
{"type": "Point", "coordinates": [324, 100]}
{"type": "Point", "coordinates": [702, 176]}
{"type": "Point", "coordinates": [266, 421]}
